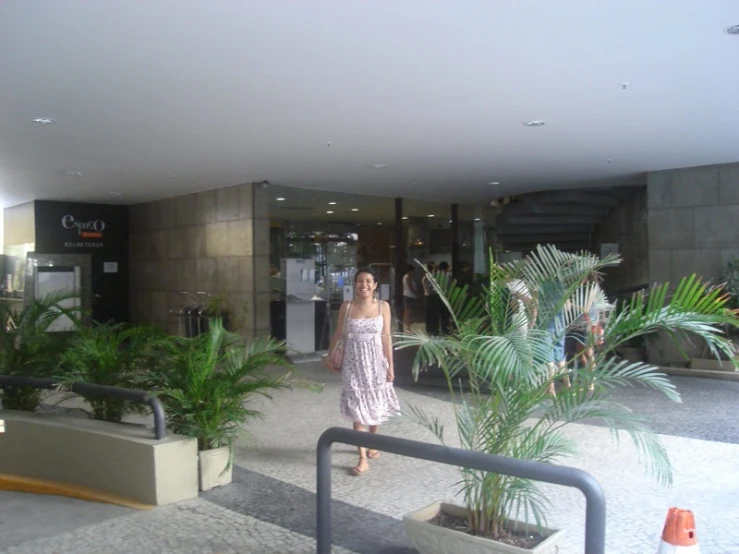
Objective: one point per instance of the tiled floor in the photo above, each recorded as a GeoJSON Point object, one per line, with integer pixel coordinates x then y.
{"type": "Point", "coordinates": [270, 506]}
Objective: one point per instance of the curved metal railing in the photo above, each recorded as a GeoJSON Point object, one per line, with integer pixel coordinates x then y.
{"type": "Point", "coordinates": [102, 391]}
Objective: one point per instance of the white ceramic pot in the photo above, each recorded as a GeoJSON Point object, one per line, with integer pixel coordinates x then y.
{"type": "Point", "coordinates": [428, 538]}
{"type": "Point", "coordinates": [215, 469]}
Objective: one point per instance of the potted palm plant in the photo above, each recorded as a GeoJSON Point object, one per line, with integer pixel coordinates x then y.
{"type": "Point", "coordinates": [500, 349]}
{"type": "Point", "coordinates": [206, 386]}
{"type": "Point", "coordinates": [730, 278]}
{"type": "Point", "coordinates": [115, 355]}
{"type": "Point", "coordinates": [27, 348]}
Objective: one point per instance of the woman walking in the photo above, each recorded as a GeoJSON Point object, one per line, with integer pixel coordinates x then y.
{"type": "Point", "coordinates": [367, 396]}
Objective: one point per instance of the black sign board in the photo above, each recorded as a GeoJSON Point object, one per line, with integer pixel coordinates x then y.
{"type": "Point", "coordinates": [97, 229]}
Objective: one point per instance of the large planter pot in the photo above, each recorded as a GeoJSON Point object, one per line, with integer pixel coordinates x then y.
{"type": "Point", "coordinates": [428, 538]}
{"type": "Point", "coordinates": [215, 467]}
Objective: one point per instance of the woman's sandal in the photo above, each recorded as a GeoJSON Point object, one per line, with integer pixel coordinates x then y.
{"type": "Point", "coordinates": [357, 470]}
{"type": "Point", "coordinates": [373, 454]}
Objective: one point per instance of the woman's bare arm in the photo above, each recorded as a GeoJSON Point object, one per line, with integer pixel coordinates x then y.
{"type": "Point", "coordinates": [338, 333]}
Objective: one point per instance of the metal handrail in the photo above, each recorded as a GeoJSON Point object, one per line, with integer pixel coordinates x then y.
{"type": "Point", "coordinates": [595, 502]}
{"type": "Point", "coordinates": [103, 391]}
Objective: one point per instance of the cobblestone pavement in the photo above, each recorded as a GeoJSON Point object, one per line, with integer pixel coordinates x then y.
{"type": "Point", "coordinates": [191, 527]}
{"type": "Point", "coordinates": [704, 413]}
{"type": "Point", "coordinates": [270, 506]}
{"type": "Point", "coordinates": [282, 447]}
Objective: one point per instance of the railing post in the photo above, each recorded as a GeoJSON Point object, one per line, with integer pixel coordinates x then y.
{"type": "Point", "coordinates": [160, 419]}
{"type": "Point", "coordinates": [595, 516]}
{"type": "Point", "coordinates": [323, 496]}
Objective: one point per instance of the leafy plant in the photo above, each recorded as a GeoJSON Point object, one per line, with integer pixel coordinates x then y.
{"type": "Point", "coordinates": [730, 275]}
{"type": "Point", "coordinates": [112, 355]}
{"type": "Point", "coordinates": [233, 314]}
{"type": "Point", "coordinates": [501, 351]}
{"type": "Point", "coordinates": [27, 349]}
{"type": "Point", "coordinates": [210, 379]}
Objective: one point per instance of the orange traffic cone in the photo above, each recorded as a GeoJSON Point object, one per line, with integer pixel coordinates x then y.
{"type": "Point", "coordinates": [678, 536]}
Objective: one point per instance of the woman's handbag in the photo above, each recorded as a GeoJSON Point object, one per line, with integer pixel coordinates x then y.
{"type": "Point", "coordinates": [336, 356]}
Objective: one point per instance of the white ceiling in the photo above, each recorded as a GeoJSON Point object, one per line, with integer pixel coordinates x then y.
{"type": "Point", "coordinates": [158, 98]}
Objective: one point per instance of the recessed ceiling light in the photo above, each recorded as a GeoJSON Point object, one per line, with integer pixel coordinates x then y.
{"type": "Point", "coordinates": [450, 221]}
{"type": "Point", "coordinates": [494, 183]}
{"type": "Point", "coordinates": [431, 215]}
{"type": "Point", "coordinates": [378, 166]}
{"type": "Point", "coordinates": [332, 203]}
{"type": "Point", "coordinates": [404, 217]}
{"type": "Point", "coordinates": [115, 194]}
{"type": "Point", "coordinates": [44, 120]}
{"type": "Point", "coordinates": [329, 211]}
{"type": "Point", "coordinates": [477, 219]}
{"type": "Point", "coordinates": [535, 123]}
{"type": "Point", "coordinates": [280, 199]}
{"type": "Point", "coordinates": [733, 30]}
{"type": "Point", "coordinates": [379, 222]}
{"type": "Point", "coordinates": [355, 209]}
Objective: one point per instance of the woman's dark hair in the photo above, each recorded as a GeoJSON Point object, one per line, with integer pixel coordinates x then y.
{"type": "Point", "coordinates": [365, 270]}
{"type": "Point", "coordinates": [443, 266]}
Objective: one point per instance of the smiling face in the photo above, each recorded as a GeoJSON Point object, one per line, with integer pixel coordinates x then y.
{"type": "Point", "coordinates": [364, 285]}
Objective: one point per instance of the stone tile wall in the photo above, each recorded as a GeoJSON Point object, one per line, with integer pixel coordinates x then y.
{"type": "Point", "coordinates": [215, 241]}
{"type": "Point", "coordinates": [693, 228]}
{"type": "Point", "coordinates": [626, 225]}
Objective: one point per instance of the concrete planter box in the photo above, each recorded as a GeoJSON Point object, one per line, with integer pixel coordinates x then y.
{"type": "Point", "coordinates": [117, 463]}
{"type": "Point", "coordinates": [632, 354]}
{"type": "Point", "coordinates": [215, 468]}
{"type": "Point", "coordinates": [711, 364]}
{"type": "Point", "coordinates": [428, 538]}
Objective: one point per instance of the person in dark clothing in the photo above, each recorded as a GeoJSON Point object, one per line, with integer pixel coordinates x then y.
{"type": "Point", "coordinates": [444, 316]}
{"type": "Point", "coordinates": [432, 301]}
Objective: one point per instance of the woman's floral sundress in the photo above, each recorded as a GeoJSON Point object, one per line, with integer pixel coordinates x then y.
{"type": "Point", "coordinates": [366, 395]}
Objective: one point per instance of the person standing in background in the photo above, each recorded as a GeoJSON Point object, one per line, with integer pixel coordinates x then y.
{"type": "Point", "coordinates": [445, 318]}
{"type": "Point", "coordinates": [431, 300]}
{"type": "Point", "coordinates": [410, 298]}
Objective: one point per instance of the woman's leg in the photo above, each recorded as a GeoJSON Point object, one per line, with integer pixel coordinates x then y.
{"type": "Point", "coordinates": [371, 453]}
{"type": "Point", "coordinates": [362, 466]}
{"type": "Point", "coordinates": [407, 314]}
{"type": "Point", "coordinates": [586, 354]}
{"type": "Point", "coordinates": [552, 374]}
{"type": "Point", "coordinates": [563, 369]}
{"type": "Point", "coordinates": [588, 360]}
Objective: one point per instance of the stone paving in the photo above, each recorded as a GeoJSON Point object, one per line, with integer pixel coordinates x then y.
{"type": "Point", "coordinates": [191, 527]}
{"type": "Point", "coordinates": [270, 506]}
